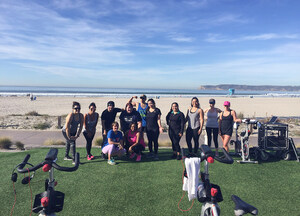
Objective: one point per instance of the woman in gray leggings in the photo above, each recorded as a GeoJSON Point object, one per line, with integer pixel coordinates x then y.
{"type": "Point", "coordinates": [72, 130]}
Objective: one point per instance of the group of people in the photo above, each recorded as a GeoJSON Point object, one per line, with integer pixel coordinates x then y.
{"type": "Point", "coordinates": [144, 118]}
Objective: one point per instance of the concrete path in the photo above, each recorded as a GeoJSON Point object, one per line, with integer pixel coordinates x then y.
{"type": "Point", "coordinates": [36, 138]}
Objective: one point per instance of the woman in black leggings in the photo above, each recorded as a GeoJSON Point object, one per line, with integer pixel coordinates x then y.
{"type": "Point", "coordinates": [153, 128]}
{"type": "Point", "coordinates": [212, 125]}
{"type": "Point", "coordinates": [176, 121]}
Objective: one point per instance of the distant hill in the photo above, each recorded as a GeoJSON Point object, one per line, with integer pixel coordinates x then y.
{"type": "Point", "coordinates": [250, 87]}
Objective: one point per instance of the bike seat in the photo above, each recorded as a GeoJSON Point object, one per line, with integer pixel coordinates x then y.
{"type": "Point", "coordinates": [242, 207]}
{"type": "Point", "coordinates": [52, 154]}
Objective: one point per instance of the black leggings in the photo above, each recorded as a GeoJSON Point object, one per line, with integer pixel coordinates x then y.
{"type": "Point", "coordinates": [88, 142]}
{"type": "Point", "coordinates": [192, 134]}
{"type": "Point", "coordinates": [175, 139]}
{"type": "Point", "coordinates": [136, 149]}
{"type": "Point", "coordinates": [152, 136]}
{"type": "Point", "coordinates": [70, 143]}
{"type": "Point", "coordinates": [215, 132]}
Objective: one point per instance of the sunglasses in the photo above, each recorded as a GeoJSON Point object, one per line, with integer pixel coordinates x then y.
{"type": "Point", "coordinates": [76, 108]}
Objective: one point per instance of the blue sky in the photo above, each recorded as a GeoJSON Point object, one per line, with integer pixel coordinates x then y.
{"type": "Point", "coordinates": [149, 43]}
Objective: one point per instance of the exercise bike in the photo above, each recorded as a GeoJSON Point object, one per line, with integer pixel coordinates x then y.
{"type": "Point", "coordinates": [49, 201]}
{"type": "Point", "coordinates": [210, 194]}
{"type": "Point", "coordinates": [242, 147]}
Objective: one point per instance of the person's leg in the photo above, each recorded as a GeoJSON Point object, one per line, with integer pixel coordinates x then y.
{"type": "Point", "coordinates": [208, 133]}
{"type": "Point", "coordinates": [104, 137]}
{"type": "Point", "coordinates": [155, 141]}
{"type": "Point", "coordinates": [215, 136]}
{"type": "Point", "coordinates": [172, 138]}
{"type": "Point", "coordinates": [188, 136]}
{"type": "Point", "coordinates": [88, 143]}
{"type": "Point", "coordinates": [196, 139]}
{"type": "Point", "coordinates": [177, 146]}
{"type": "Point", "coordinates": [108, 150]}
{"type": "Point", "coordinates": [226, 139]}
{"type": "Point", "coordinates": [67, 144]}
{"type": "Point", "coordinates": [150, 140]}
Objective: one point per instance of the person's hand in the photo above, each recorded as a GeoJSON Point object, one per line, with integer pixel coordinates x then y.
{"type": "Point", "coordinates": [120, 147]}
{"type": "Point", "coordinates": [199, 132]}
{"type": "Point", "coordinates": [73, 137]}
{"type": "Point", "coordinates": [180, 134]}
{"type": "Point", "coordinates": [104, 132]}
{"type": "Point", "coordinates": [130, 148]}
{"type": "Point", "coordinates": [161, 130]}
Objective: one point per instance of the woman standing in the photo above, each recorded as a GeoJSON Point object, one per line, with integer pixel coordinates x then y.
{"type": "Point", "coordinates": [153, 128]}
{"type": "Point", "coordinates": [141, 108]}
{"type": "Point", "coordinates": [90, 123]}
{"type": "Point", "coordinates": [195, 120]}
{"type": "Point", "coordinates": [212, 125]}
{"type": "Point", "coordinates": [175, 120]}
{"type": "Point", "coordinates": [135, 142]}
{"type": "Point", "coordinates": [114, 144]}
{"type": "Point", "coordinates": [71, 131]}
{"type": "Point", "coordinates": [227, 118]}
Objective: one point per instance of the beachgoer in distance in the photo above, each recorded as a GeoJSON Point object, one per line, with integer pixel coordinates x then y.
{"type": "Point", "coordinates": [141, 108]}
{"type": "Point", "coordinates": [114, 145]}
{"type": "Point", "coordinates": [128, 116]}
{"type": "Point", "coordinates": [227, 118]}
{"type": "Point", "coordinates": [90, 123]}
{"type": "Point", "coordinates": [107, 118]}
{"type": "Point", "coordinates": [72, 130]}
{"type": "Point", "coordinates": [195, 120]}
{"type": "Point", "coordinates": [176, 121]}
{"type": "Point", "coordinates": [135, 142]}
{"type": "Point", "coordinates": [212, 125]}
{"type": "Point", "coordinates": [153, 128]}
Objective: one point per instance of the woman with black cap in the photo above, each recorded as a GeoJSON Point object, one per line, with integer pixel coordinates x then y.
{"type": "Point", "coordinates": [108, 117]}
{"type": "Point", "coordinates": [212, 125]}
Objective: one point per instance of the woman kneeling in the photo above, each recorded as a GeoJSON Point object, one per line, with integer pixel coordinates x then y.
{"type": "Point", "coordinates": [135, 142]}
{"type": "Point", "coordinates": [114, 146]}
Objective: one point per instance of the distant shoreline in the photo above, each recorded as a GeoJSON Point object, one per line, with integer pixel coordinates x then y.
{"type": "Point", "coordinates": [251, 87]}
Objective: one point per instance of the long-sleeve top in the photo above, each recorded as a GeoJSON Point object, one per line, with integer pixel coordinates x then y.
{"type": "Point", "coordinates": [176, 122]}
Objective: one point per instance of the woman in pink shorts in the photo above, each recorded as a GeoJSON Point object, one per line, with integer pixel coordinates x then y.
{"type": "Point", "coordinates": [135, 142]}
{"type": "Point", "coordinates": [114, 146]}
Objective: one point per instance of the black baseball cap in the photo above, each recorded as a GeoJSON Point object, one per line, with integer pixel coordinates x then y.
{"type": "Point", "coordinates": [110, 103]}
{"type": "Point", "coordinates": [212, 101]}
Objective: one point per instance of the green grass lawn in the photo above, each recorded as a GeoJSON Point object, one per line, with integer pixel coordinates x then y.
{"type": "Point", "coordinates": [151, 187]}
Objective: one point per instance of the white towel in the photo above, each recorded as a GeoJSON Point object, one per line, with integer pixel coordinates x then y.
{"type": "Point", "coordinates": [190, 184]}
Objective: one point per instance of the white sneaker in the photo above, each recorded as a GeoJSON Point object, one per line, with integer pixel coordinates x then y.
{"type": "Point", "coordinates": [111, 162]}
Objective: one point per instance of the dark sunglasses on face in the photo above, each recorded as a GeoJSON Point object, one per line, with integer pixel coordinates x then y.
{"type": "Point", "coordinates": [76, 108]}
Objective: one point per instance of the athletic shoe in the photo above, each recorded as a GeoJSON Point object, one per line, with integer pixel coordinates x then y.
{"type": "Point", "coordinates": [178, 157]}
{"type": "Point", "coordinates": [150, 155]}
{"type": "Point", "coordinates": [132, 155]}
{"type": "Point", "coordinates": [156, 157]}
{"type": "Point", "coordinates": [138, 158]}
{"type": "Point", "coordinates": [89, 158]}
{"type": "Point", "coordinates": [111, 162]}
{"type": "Point", "coordinates": [73, 162]}
{"type": "Point", "coordinates": [92, 157]}
{"type": "Point", "coordinates": [68, 158]}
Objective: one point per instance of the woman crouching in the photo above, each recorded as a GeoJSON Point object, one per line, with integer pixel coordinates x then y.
{"type": "Point", "coordinates": [135, 142]}
{"type": "Point", "coordinates": [114, 145]}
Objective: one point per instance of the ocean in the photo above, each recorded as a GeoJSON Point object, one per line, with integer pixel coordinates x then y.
{"type": "Point", "coordinates": [126, 92]}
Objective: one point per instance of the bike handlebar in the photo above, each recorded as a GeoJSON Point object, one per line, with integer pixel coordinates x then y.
{"type": "Point", "coordinates": [52, 163]}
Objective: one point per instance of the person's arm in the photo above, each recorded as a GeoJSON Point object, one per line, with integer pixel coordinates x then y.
{"type": "Point", "coordinates": [235, 119]}
{"type": "Point", "coordinates": [80, 126]}
{"type": "Point", "coordinates": [137, 140]}
{"type": "Point", "coordinates": [201, 114]}
{"type": "Point", "coordinates": [187, 116]}
{"type": "Point", "coordinates": [139, 121]}
{"type": "Point", "coordinates": [68, 122]}
{"type": "Point", "coordinates": [168, 117]}
{"type": "Point", "coordinates": [161, 130]}
{"type": "Point", "coordinates": [220, 121]}
{"type": "Point", "coordinates": [132, 102]}
{"type": "Point", "coordinates": [218, 110]}
{"type": "Point", "coordinates": [182, 123]}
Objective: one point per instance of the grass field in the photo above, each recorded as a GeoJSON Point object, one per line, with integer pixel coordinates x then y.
{"type": "Point", "coordinates": [151, 187]}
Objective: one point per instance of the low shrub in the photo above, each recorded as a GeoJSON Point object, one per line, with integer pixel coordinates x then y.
{"type": "Point", "coordinates": [19, 145]}
{"type": "Point", "coordinates": [98, 141]}
{"type": "Point", "coordinates": [41, 126]}
{"type": "Point", "coordinates": [240, 115]}
{"type": "Point", "coordinates": [5, 143]}
{"type": "Point", "coordinates": [51, 142]}
{"type": "Point", "coordinates": [32, 113]}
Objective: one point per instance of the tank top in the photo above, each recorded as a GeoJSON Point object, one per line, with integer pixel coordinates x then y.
{"type": "Point", "coordinates": [131, 137]}
{"type": "Point", "coordinates": [212, 119]}
{"type": "Point", "coordinates": [91, 124]}
{"type": "Point", "coordinates": [143, 113]}
{"type": "Point", "coordinates": [227, 122]}
{"type": "Point", "coordinates": [194, 119]}
{"type": "Point", "coordinates": [73, 125]}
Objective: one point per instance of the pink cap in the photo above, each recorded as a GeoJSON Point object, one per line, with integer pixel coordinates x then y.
{"type": "Point", "coordinates": [226, 103]}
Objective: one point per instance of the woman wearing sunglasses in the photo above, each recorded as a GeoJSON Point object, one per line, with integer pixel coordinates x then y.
{"type": "Point", "coordinates": [90, 123]}
{"type": "Point", "coordinates": [72, 130]}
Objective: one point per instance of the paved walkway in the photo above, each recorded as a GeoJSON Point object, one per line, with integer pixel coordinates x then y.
{"type": "Point", "coordinates": [36, 138]}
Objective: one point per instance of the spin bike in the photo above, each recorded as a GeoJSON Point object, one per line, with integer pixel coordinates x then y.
{"type": "Point", "coordinates": [210, 194]}
{"type": "Point", "coordinates": [242, 147]}
{"type": "Point", "coordinates": [49, 201]}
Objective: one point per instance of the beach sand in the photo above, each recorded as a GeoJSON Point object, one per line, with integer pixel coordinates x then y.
{"type": "Point", "coordinates": [13, 109]}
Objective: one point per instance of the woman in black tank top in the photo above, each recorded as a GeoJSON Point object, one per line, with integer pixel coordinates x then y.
{"type": "Point", "coordinates": [227, 118]}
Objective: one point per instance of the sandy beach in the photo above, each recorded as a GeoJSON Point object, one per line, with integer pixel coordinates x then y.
{"type": "Point", "coordinates": [13, 109]}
